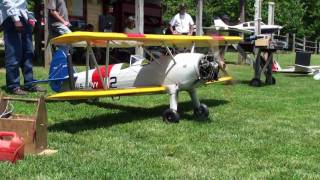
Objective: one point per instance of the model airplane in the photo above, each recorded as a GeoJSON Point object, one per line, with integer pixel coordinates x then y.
{"type": "Point", "coordinates": [246, 27]}
{"type": "Point", "coordinates": [298, 69]}
{"type": "Point", "coordinates": [166, 74]}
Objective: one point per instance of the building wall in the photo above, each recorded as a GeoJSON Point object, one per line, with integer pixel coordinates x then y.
{"type": "Point", "coordinates": [94, 9]}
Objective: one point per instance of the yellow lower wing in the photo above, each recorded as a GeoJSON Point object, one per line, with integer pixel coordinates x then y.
{"type": "Point", "coordinates": [87, 94]}
{"type": "Point", "coordinates": [222, 79]}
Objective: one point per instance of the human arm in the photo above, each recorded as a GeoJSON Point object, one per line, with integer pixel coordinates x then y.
{"type": "Point", "coordinates": [59, 18]}
{"type": "Point", "coordinates": [172, 24]}
{"type": "Point", "coordinates": [191, 25]}
{"type": "Point", "coordinates": [52, 7]}
{"type": "Point", "coordinates": [171, 30]}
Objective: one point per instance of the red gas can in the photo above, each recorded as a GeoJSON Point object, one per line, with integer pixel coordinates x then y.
{"type": "Point", "coordinates": [11, 147]}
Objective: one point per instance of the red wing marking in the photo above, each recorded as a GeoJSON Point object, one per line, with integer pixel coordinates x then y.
{"type": "Point", "coordinates": [218, 38]}
{"type": "Point", "coordinates": [135, 35]}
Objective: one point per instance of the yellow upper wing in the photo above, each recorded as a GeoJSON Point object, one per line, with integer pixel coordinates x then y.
{"type": "Point", "coordinates": [131, 40]}
{"type": "Point", "coordinates": [87, 94]}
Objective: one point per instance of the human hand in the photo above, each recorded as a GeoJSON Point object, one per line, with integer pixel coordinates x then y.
{"type": "Point", "coordinates": [67, 23]}
{"type": "Point", "coordinates": [32, 22]}
{"type": "Point", "coordinates": [18, 25]}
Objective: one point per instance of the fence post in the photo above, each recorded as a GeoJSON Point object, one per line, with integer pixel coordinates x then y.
{"type": "Point", "coordinates": [293, 42]}
{"type": "Point", "coordinates": [304, 44]}
{"type": "Point", "coordinates": [287, 41]}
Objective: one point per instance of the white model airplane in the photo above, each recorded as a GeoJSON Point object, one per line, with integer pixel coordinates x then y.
{"type": "Point", "coordinates": [246, 27]}
{"type": "Point", "coordinates": [298, 69]}
{"type": "Point", "coordinates": [165, 74]}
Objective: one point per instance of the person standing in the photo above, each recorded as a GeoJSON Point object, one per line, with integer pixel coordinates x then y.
{"type": "Point", "coordinates": [130, 25]}
{"type": "Point", "coordinates": [107, 22]}
{"type": "Point", "coordinates": [182, 22]}
{"type": "Point", "coordinates": [58, 18]}
{"type": "Point", "coordinates": [18, 24]}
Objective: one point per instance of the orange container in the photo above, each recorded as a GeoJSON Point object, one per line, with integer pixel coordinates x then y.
{"type": "Point", "coordinates": [11, 147]}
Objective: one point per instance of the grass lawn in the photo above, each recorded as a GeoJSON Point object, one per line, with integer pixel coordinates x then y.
{"type": "Point", "coordinates": [266, 132]}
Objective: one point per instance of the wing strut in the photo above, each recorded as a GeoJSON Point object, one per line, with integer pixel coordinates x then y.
{"type": "Point", "coordinates": [106, 79]}
{"type": "Point", "coordinates": [87, 66]}
{"type": "Point", "coordinates": [151, 55]}
{"type": "Point", "coordinates": [91, 53]}
{"type": "Point", "coordinates": [170, 53]}
{"type": "Point", "coordinates": [193, 47]}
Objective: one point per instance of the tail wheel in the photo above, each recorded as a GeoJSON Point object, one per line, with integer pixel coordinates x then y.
{"type": "Point", "coordinates": [202, 111]}
{"type": "Point", "coordinates": [171, 116]}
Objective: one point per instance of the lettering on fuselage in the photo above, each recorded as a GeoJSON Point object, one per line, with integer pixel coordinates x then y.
{"type": "Point", "coordinates": [98, 84]}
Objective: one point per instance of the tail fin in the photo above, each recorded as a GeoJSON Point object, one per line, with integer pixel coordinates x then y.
{"type": "Point", "coordinates": [58, 72]}
{"type": "Point", "coordinates": [276, 66]}
{"type": "Point", "coordinates": [218, 22]}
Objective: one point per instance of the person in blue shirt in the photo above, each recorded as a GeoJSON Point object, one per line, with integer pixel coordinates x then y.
{"type": "Point", "coordinates": [17, 23]}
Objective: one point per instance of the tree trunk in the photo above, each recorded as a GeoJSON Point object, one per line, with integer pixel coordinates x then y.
{"type": "Point", "coordinates": [242, 4]}
{"type": "Point", "coordinates": [39, 34]}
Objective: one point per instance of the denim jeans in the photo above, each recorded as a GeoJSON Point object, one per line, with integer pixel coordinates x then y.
{"type": "Point", "coordinates": [18, 54]}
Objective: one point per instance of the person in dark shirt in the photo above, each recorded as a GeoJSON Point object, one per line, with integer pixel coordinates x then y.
{"type": "Point", "coordinates": [107, 22]}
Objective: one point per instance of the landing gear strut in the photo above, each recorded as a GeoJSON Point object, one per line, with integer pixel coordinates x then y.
{"type": "Point", "coordinates": [200, 111]}
{"type": "Point", "coordinates": [171, 115]}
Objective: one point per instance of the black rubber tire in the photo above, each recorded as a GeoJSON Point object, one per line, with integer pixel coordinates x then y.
{"type": "Point", "coordinates": [255, 82]}
{"type": "Point", "coordinates": [202, 112]}
{"type": "Point", "coordinates": [171, 116]}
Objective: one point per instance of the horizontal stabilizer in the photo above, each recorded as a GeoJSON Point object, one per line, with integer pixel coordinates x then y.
{"type": "Point", "coordinates": [48, 80]}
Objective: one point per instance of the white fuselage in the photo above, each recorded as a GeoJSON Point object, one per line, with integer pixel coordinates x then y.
{"type": "Point", "coordinates": [182, 71]}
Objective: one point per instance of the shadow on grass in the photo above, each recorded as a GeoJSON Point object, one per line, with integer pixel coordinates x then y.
{"type": "Point", "coordinates": [298, 75]}
{"type": "Point", "coordinates": [247, 82]}
{"type": "Point", "coordinates": [128, 114]}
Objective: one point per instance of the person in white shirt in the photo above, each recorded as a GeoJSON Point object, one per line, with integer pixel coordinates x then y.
{"type": "Point", "coordinates": [182, 22]}
{"type": "Point", "coordinates": [130, 26]}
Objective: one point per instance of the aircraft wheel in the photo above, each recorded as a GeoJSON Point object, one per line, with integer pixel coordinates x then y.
{"type": "Point", "coordinates": [273, 81]}
{"type": "Point", "coordinates": [255, 82]}
{"type": "Point", "coordinates": [171, 116]}
{"type": "Point", "coordinates": [202, 111]}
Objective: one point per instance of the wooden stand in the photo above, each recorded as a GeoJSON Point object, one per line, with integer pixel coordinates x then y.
{"type": "Point", "coordinates": [33, 129]}
{"type": "Point", "coordinates": [263, 63]}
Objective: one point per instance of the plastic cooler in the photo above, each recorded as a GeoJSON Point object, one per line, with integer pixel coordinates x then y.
{"type": "Point", "coordinates": [11, 147]}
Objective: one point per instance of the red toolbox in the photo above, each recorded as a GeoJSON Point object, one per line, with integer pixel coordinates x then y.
{"type": "Point", "coordinates": [11, 147]}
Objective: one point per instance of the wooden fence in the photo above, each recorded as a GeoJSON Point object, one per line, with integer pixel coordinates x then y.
{"type": "Point", "coordinates": [302, 44]}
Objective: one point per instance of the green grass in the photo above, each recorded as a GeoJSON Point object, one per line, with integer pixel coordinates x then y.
{"type": "Point", "coordinates": [268, 132]}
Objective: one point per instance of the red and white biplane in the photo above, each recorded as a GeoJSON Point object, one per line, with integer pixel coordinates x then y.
{"type": "Point", "coordinates": [167, 73]}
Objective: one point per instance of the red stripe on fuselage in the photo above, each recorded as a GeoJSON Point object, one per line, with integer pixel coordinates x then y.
{"type": "Point", "coordinates": [96, 82]}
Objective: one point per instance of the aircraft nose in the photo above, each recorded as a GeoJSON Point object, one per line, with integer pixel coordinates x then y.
{"type": "Point", "coordinates": [208, 70]}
